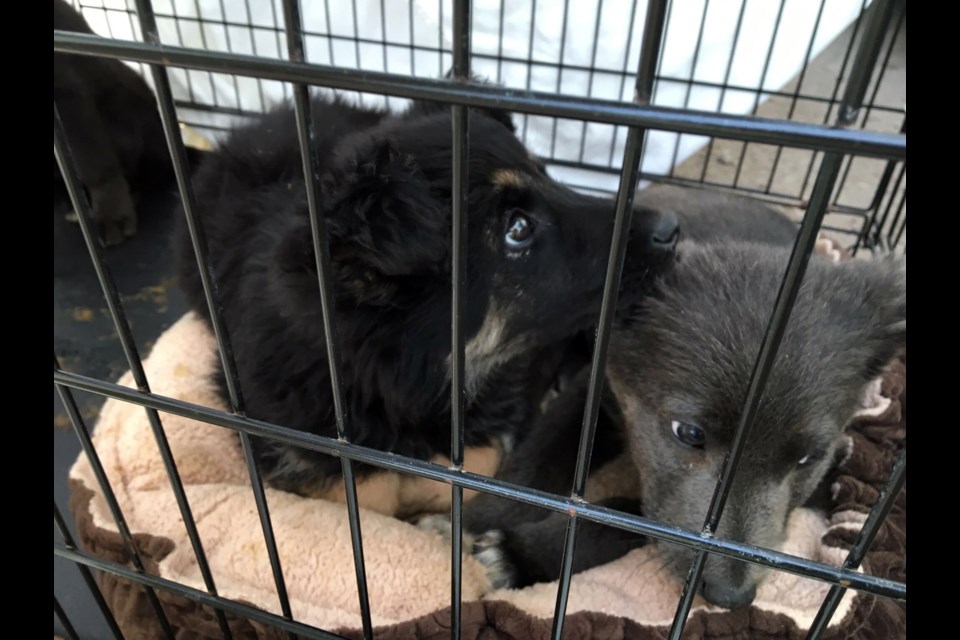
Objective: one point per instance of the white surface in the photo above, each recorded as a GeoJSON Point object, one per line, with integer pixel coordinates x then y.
{"type": "Point", "coordinates": [717, 58]}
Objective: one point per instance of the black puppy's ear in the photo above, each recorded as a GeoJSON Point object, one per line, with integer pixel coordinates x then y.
{"type": "Point", "coordinates": [381, 219]}
{"type": "Point", "coordinates": [428, 107]}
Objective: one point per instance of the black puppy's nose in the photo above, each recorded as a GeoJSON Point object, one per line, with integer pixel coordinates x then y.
{"type": "Point", "coordinates": [727, 596]}
{"type": "Point", "coordinates": [666, 230]}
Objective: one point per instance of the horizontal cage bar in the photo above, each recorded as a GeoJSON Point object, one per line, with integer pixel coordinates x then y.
{"type": "Point", "coordinates": [476, 482]}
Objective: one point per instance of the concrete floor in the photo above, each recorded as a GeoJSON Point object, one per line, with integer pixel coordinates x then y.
{"type": "Point", "coordinates": [789, 172]}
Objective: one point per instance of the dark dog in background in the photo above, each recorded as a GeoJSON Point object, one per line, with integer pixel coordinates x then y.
{"type": "Point", "coordinates": [536, 256]}
{"type": "Point", "coordinates": [114, 130]}
{"type": "Point", "coordinates": [679, 363]}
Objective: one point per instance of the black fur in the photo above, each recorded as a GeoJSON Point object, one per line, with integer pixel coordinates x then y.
{"type": "Point", "coordinates": [685, 353]}
{"type": "Point", "coordinates": [114, 131]}
{"type": "Point", "coordinates": [386, 191]}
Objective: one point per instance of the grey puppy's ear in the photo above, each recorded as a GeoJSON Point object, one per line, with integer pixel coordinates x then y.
{"type": "Point", "coordinates": [885, 290]}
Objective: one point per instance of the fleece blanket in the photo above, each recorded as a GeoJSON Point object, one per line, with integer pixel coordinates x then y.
{"type": "Point", "coordinates": [408, 569]}
{"type": "Point", "coordinates": [632, 597]}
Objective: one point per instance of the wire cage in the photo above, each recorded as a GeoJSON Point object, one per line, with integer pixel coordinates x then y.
{"type": "Point", "coordinates": [611, 94]}
{"type": "Point", "coordinates": [731, 56]}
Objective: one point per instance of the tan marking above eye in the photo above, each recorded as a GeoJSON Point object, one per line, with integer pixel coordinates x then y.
{"type": "Point", "coordinates": [508, 178]}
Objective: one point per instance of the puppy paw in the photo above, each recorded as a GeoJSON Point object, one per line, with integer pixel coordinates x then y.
{"type": "Point", "coordinates": [828, 248]}
{"type": "Point", "coordinates": [439, 523]}
{"type": "Point", "coordinates": [486, 548]}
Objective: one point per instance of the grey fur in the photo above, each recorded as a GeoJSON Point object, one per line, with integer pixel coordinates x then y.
{"type": "Point", "coordinates": [687, 354]}
{"type": "Point", "coordinates": [712, 216]}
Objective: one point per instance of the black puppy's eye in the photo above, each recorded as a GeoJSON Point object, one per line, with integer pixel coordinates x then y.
{"type": "Point", "coordinates": [519, 231]}
{"type": "Point", "coordinates": [689, 434]}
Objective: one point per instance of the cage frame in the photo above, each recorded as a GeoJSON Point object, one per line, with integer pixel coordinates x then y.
{"type": "Point", "coordinates": [837, 143]}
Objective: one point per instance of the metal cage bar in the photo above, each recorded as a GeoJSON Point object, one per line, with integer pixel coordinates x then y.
{"type": "Point", "coordinates": [218, 602]}
{"type": "Point", "coordinates": [885, 501]}
{"type": "Point", "coordinates": [795, 98]}
{"type": "Point", "coordinates": [88, 578]}
{"type": "Point", "coordinates": [649, 53]}
{"type": "Point", "coordinates": [612, 73]}
{"type": "Point", "coordinates": [309, 156]}
{"type": "Point", "coordinates": [148, 27]}
{"type": "Point", "coordinates": [112, 295]}
{"type": "Point", "coordinates": [828, 173]}
{"type": "Point", "coordinates": [64, 620]}
{"type": "Point", "coordinates": [891, 241]}
{"type": "Point", "coordinates": [461, 169]}
{"type": "Point", "coordinates": [493, 486]}
{"type": "Point", "coordinates": [745, 128]}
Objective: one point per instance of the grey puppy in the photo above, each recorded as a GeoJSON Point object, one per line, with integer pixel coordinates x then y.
{"type": "Point", "coordinates": [677, 373]}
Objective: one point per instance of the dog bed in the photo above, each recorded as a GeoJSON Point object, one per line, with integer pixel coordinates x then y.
{"type": "Point", "coordinates": [408, 569]}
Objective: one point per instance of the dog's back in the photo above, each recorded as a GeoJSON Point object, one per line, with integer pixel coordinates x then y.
{"type": "Point", "coordinates": [712, 216]}
{"type": "Point", "coordinates": [114, 129]}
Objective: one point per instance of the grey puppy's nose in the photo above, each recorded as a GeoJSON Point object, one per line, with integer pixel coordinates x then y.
{"type": "Point", "coordinates": [727, 596]}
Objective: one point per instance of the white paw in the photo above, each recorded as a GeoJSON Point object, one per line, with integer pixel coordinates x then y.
{"type": "Point", "coordinates": [485, 548]}
{"type": "Point", "coordinates": [828, 248]}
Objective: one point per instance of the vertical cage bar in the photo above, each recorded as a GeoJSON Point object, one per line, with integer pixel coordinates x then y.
{"type": "Point", "coordinates": [115, 306]}
{"type": "Point", "coordinates": [776, 326]}
{"type": "Point", "coordinates": [903, 226]}
{"type": "Point", "coordinates": [503, 4]}
{"type": "Point", "coordinates": [882, 223]}
{"type": "Point", "coordinates": [309, 156]}
{"type": "Point", "coordinates": [759, 94]}
{"type": "Point", "coordinates": [896, 221]}
{"type": "Point", "coordinates": [461, 168]}
{"type": "Point", "coordinates": [64, 619]}
{"type": "Point", "coordinates": [653, 33]}
{"type": "Point", "coordinates": [870, 222]}
{"type": "Point", "coordinates": [531, 34]}
{"type": "Point", "coordinates": [796, 96]}
{"type": "Point", "coordinates": [593, 71]}
{"type": "Point", "coordinates": [92, 584]}
{"type": "Point", "coordinates": [691, 80]}
{"type": "Point", "coordinates": [871, 527]}
{"type": "Point", "coordinates": [725, 84]}
{"type": "Point", "coordinates": [863, 63]}
{"type": "Point", "coordinates": [413, 57]}
{"type": "Point", "coordinates": [168, 116]}
{"type": "Point", "coordinates": [623, 76]}
{"type": "Point", "coordinates": [558, 85]}
{"type": "Point", "coordinates": [833, 98]}
{"type": "Point", "coordinates": [83, 435]}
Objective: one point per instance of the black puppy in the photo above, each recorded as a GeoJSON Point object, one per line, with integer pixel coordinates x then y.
{"type": "Point", "coordinates": [536, 259]}
{"type": "Point", "coordinates": [679, 363]}
{"type": "Point", "coordinates": [114, 130]}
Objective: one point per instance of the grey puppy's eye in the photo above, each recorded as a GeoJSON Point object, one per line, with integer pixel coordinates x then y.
{"type": "Point", "coordinates": [689, 434]}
